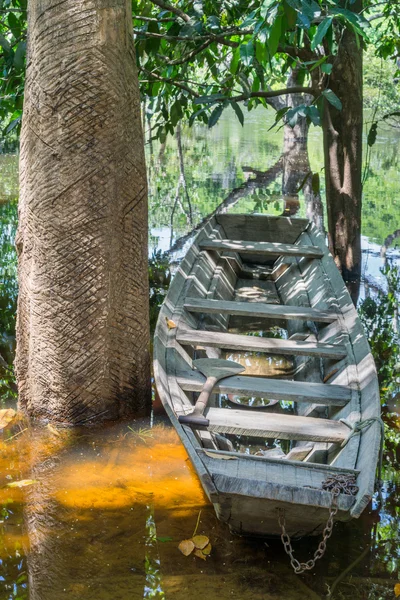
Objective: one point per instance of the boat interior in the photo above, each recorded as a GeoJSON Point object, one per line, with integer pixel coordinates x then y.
{"type": "Point", "coordinates": [260, 292]}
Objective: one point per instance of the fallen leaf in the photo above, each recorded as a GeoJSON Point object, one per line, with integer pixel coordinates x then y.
{"type": "Point", "coordinates": [167, 538]}
{"type": "Point", "coordinates": [186, 547]}
{"type": "Point", "coordinates": [170, 323]}
{"type": "Point", "coordinates": [397, 590]}
{"type": "Point", "coordinates": [199, 554]}
{"type": "Point", "coordinates": [219, 456]}
{"type": "Point", "coordinates": [200, 541]}
{"type": "Point", "coordinates": [53, 430]}
{"type": "Point", "coordinates": [22, 483]}
{"type": "Point", "coordinates": [6, 416]}
{"type": "Point", "coordinates": [207, 549]}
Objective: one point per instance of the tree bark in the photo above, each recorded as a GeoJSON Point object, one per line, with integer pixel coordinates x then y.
{"type": "Point", "coordinates": [82, 326]}
{"type": "Point", "coordinates": [343, 157]}
{"type": "Point", "coordinates": [296, 163]}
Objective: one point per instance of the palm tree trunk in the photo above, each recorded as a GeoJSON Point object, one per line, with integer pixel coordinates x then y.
{"type": "Point", "coordinates": [82, 327]}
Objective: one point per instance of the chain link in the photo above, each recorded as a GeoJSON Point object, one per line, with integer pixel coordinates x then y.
{"type": "Point", "coordinates": [336, 485]}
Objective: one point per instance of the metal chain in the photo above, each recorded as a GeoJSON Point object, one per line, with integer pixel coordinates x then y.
{"type": "Point", "coordinates": [335, 484]}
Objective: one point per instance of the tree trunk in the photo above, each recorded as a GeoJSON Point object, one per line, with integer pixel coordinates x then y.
{"type": "Point", "coordinates": [343, 157]}
{"type": "Point", "coordinates": [82, 327]}
{"type": "Point", "coordinates": [296, 163]}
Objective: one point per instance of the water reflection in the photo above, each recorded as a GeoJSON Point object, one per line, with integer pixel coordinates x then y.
{"type": "Point", "coordinates": [108, 509]}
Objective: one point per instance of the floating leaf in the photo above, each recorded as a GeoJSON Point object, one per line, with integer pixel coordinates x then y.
{"type": "Point", "coordinates": [200, 541]}
{"type": "Point", "coordinates": [207, 549]}
{"type": "Point", "coordinates": [22, 483]}
{"type": "Point", "coordinates": [170, 324]}
{"type": "Point", "coordinates": [199, 554]}
{"type": "Point", "coordinates": [397, 590]}
{"type": "Point", "coordinates": [53, 430]}
{"type": "Point", "coordinates": [186, 547]}
{"type": "Point", "coordinates": [6, 416]}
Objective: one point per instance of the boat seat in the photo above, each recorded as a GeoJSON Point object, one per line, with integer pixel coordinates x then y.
{"type": "Point", "coordinates": [262, 248]}
{"type": "Point", "coordinates": [276, 426]}
{"type": "Point", "coordinates": [259, 344]}
{"type": "Point", "coordinates": [327, 394]}
{"type": "Point", "coordinates": [259, 309]}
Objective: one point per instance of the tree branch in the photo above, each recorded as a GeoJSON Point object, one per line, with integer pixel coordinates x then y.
{"type": "Point", "coordinates": [153, 19]}
{"type": "Point", "coordinates": [272, 93]}
{"type": "Point", "coordinates": [177, 84]}
{"type": "Point", "coordinates": [173, 9]}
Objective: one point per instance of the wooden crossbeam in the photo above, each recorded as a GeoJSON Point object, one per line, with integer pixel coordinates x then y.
{"type": "Point", "coordinates": [273, 389]}
{"type": "Point", "coordinates": [263, 248]}
{"type": "Point", "coordinates": [277, 426]}
{"type": "Point", "coordinates": [259, 309]}
{"type": "Point", "coordinates": [260, 344]}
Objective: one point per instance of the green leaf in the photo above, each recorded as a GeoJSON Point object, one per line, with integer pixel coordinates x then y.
{"type": "Point", "coordinates": [5, 44]}
{"type": "Point", "coordinates": [235, 61]}
{"type": "Point", "coordinates": [326, 68]}
{"type": "Point", "coordinates": [215, 115]}
{"type": "Point", "coordinates": [165, 538]}
{"type": "Point", "coordinates": [14, 24]}
{"type": "Point", "coordinates": [332, 99]}
{"type": "Point", "coordinates": [275, 35]}
{"type": "Point", "coordinates": [313, 114]}
{"type": "Point", "coordinates": [19, 55]}
{"type": "Point", "coordinates": [208, 99]}
{"type": "Point", "coordinates": [238, 112]}
{"type": "Point", "coordinates": [247, 53]}
{"type": "Point", "coordinates": [321, 31]}
{"type": "Point", "coordinates": [279, 116]}
{"type": "Point", "coordinates": [372, 133]}
{"type": "Point", "coordinates": [358, 21]}
{"type": "Point", "coordinates": [315, 183]}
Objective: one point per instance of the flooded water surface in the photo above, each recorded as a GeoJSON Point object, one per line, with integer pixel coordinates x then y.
{"type": "Point", "coordinates": [99, 514]}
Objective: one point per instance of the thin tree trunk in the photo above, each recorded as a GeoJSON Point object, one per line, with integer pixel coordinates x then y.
{"type": "Point", "coordinates": [296, 164]}
{"type": "Point", "coordinates": [182, 176]}
{"type": "Point", "coordinates": [82, 328]}
{"type": "Point", "coordinates": [343, 158]}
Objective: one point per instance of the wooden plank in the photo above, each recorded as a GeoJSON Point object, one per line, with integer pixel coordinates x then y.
{"type": "Point", "coordinates": [276, 426]}
{"type": "Point", "coordinates": [261, 227]}
{"type": "Point", "coordinates": [269, 460]}
{"type": "Point", "coordinates": [262, 248]}
{"type": "Point", "coordinates": [259, 344]}
{"type": "Point", "coordinates": [258, 309]}
{"type": "Point", "coordinates": [274, 389]}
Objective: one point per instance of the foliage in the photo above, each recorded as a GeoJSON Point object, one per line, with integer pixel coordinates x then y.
{"type": "Point", "coordinates": [159, 279]}
{"type": "Point", "coordinates": [381, 84]}
{"type": "Point", "coordinates": [198, 58]}
{"type": "Point", "coordinates": [12, 63]}
{"type": "Point", "coordinates": [8, 296]}
{"type": "Point", "coordinates": [380, 318]}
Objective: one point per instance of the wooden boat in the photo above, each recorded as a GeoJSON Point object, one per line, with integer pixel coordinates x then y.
{"type": "Point", "coordinates": [253, 273]}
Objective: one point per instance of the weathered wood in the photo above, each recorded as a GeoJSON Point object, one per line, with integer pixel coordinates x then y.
{"type": "Point", "coordinates": [274, 389]}
{"type": "Point", "coordinates": [245, 495]}
{"type": "Point", "coordinates": [258, 309]}
{"type": "Point", "coordinates": [263, 248]}
{"type": "Point", "coordinates": [272, 425]}
{"type": "Point", "coordinates": [259, 344]}
{"type": "Point", "coordinates": [262, 227]}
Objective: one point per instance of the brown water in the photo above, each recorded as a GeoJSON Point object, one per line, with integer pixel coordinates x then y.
{"type": "Point", "coordinates": [105, 510]}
